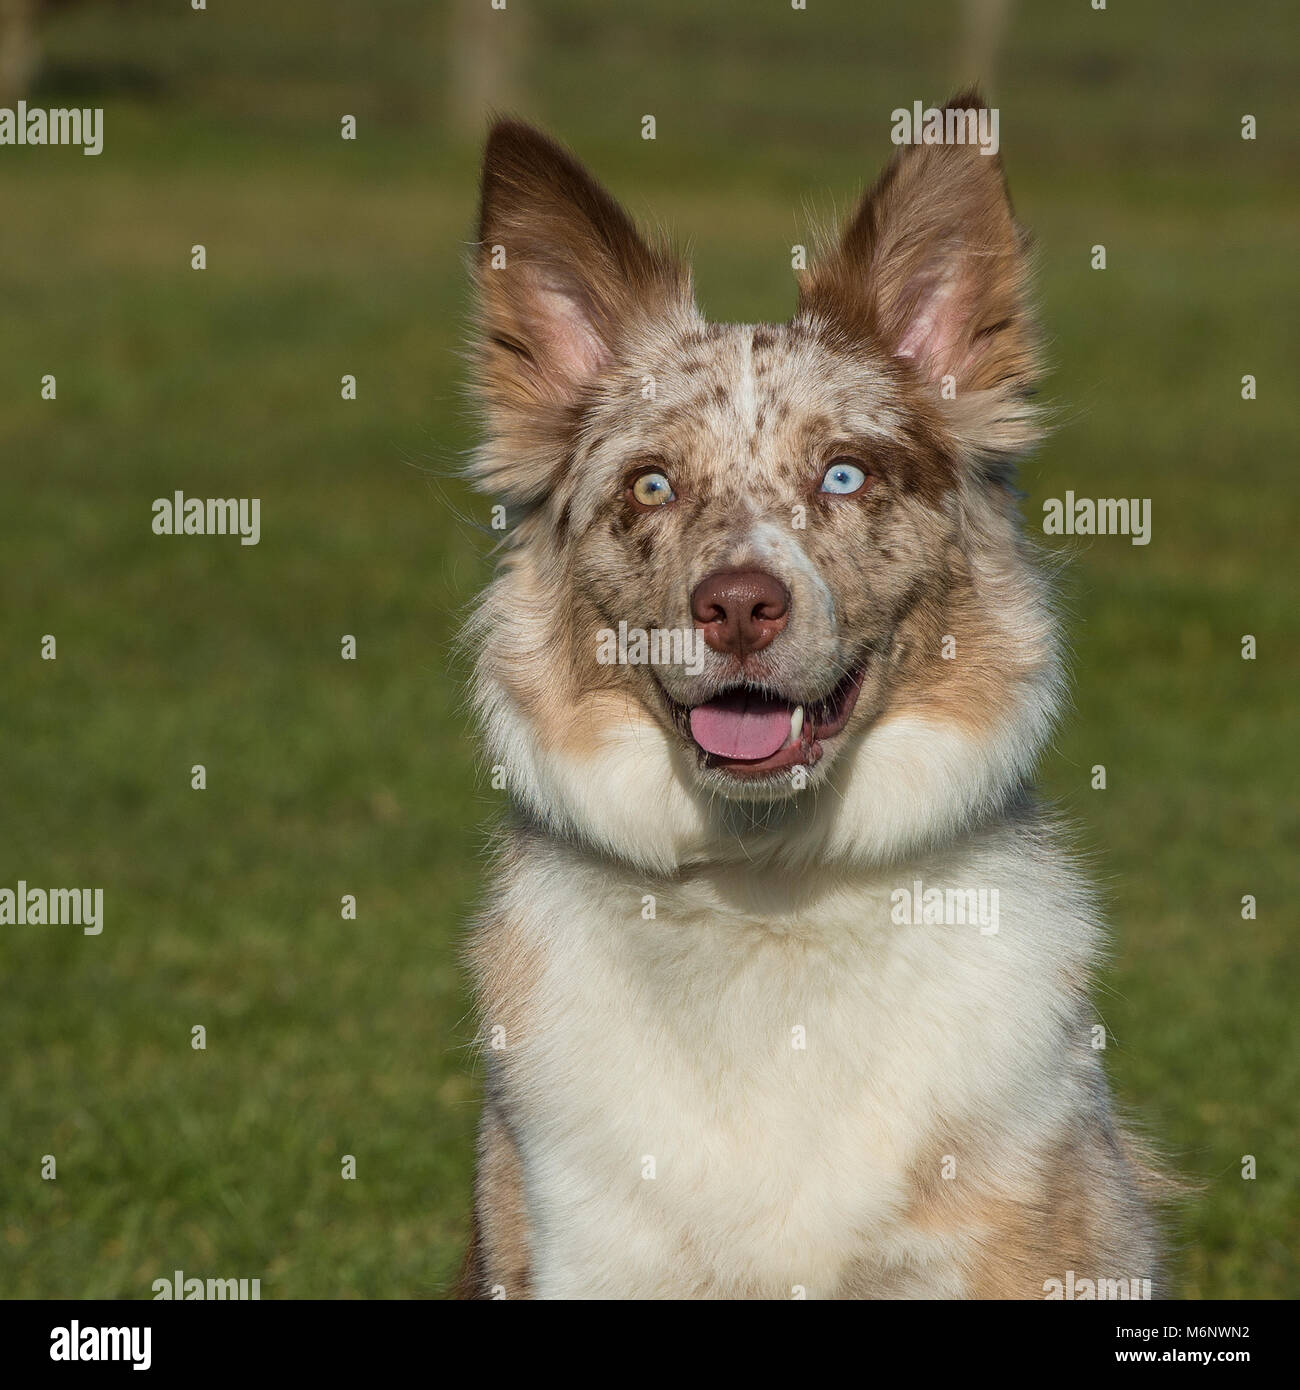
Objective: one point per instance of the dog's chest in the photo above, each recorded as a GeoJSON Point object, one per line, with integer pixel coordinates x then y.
{"type": "Point", "coordinates": [699, 1080]}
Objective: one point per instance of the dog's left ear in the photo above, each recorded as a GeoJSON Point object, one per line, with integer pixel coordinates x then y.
{"type": "Point", "coordinates": [932, 267]}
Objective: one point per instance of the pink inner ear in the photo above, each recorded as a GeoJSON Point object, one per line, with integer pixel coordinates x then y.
{"type": "Point", "coordinates": [936, 325]}
{"type": "Point", "coordinates": [572, 350]}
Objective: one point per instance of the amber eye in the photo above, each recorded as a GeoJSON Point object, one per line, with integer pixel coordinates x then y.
{"type": "Point", "coordinates": [844, 477]}
{"type": "Point", "coordinates": [653, 490]}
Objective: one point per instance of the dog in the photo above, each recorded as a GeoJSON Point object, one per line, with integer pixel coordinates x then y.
{"type": "Point", "coordinates": [783, 977]}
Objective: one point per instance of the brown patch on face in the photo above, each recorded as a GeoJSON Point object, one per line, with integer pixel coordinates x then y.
{"type": "Point", "coordinates": [923, 465]}
{"type": "Point", "coordinates": [574, 718]}
{"type": "Point", "coordinates": [968, 690]}
{"type": "Point", "coordinates": [918, 464]}
{"type": "Point", "coordinates": [544, 657]}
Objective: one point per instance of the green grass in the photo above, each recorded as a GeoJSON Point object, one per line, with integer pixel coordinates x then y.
{"type": "Point", "coordinates": [329, 1037]}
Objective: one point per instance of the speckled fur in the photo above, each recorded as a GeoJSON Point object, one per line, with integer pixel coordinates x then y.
{"type": "Point", "coordinates": [658, 939]}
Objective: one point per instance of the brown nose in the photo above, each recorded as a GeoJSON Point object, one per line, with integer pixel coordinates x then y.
{"type": "Point", "coordinates": [740, 611]}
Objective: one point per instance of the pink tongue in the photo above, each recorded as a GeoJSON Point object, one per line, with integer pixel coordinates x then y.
{"type": "Point", "coordinates": [741, 725]}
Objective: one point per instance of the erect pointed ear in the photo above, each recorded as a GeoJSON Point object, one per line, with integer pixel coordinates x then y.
{"type": "Point", "coordinates": [933, 268]}
{"type": "Point", "coordinates": [563, 279]}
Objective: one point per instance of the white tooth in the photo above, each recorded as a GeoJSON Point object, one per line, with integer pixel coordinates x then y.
{"type": "Point", "coordinates": [796, 724]}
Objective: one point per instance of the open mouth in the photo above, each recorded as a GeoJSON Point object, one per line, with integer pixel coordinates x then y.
{"type": "Point", "coordinates": [750, 732]}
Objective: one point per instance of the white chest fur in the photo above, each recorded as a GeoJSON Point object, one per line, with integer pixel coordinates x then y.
{"type": "Point", "coordinates": [727, 1098]}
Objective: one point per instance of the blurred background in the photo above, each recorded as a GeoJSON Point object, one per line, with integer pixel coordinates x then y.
{"type": "Point", "coordinates": [326, 777]}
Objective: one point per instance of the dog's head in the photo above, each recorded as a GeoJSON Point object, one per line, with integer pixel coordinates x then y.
{"type": "Point", "coordinates": [759, 579]}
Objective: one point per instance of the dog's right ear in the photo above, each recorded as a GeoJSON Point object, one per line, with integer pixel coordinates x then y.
{"type": "Point", "coordinates": [563, 281]}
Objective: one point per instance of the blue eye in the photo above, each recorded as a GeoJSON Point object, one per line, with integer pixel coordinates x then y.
{"type": "Point", "coordinates": [844, 477]}
{"type": "Point", "coordinates": [653, 490]}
